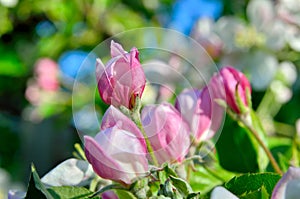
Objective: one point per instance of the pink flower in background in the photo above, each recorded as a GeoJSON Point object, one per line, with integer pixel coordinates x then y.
{"type": "Point", "coordinates": [225, 83]}
{"type": "Point", "coordinates": [122, 79]}
{"type": "Point", "coordinates": [167, 132]}
{"type": "Point", "coordinates": [47, 74]}
{"type": "Point", "coordinates": [118, 152]}
{"type": "Point", "coordinates": [33, 94]}
{"type": "Point", "coordinates": [46, 79]}
{"type": "Point", "coordinates": [197, 108]}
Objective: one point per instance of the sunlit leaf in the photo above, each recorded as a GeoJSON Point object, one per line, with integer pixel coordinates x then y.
{"type": "Point", "coordinates": [71, 193]}
{"type": "Point", "coordinates": [253, 184]}
{"type": "Point", "coordinates": [36, 188]}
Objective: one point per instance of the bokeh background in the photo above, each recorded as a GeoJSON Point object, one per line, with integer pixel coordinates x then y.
{"type": "Point", "coordinates": [43, 43]}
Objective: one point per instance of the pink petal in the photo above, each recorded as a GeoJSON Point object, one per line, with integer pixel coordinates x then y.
{"type": "Point", "coordinates": [117, 155]}
{"type": "Point", "coordinates": [114, 117]}
{"type": "Point", "coordinates": [117, 50]}
{"type": "Point", "coordinates": [167, 132]}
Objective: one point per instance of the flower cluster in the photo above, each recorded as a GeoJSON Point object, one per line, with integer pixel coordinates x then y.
{"type": "Point", "coordinates": [162, 133]}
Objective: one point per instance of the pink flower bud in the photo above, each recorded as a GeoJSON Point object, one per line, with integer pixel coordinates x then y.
{"type": "Point", "coordinates": [226, 83]}
{"type": "Point", "coordinates": [122, 79]}
{"type": "Point", "coordinates": [118, 152]}
{"type": "Point", "coordinates": [167, 132]}
{"type": "Point", "coordinates": [198, 108]}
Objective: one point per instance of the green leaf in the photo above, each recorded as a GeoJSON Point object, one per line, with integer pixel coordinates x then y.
{"type": "Point", "coordinates": [36, 188]}
{"type": "Point", "coordinates": [235, 149]}
{"type": "Point", "coordinates": [205, 178]}
{"type": "Point", "coordinates": [282, 149]}
{"type": "Point", "coordinates": [264, 193]}
{"type": "Point", "coordinates": [10, 63]}
{"type": "Point", "coordinates": [169, 190]}
{"type": "Point", "coordinates": [67, 192]}
{"type": "Point", "coordinates": [170, 171]}
{"type": "Point", "coordinates": [193, 195]}
{"type": "Point", "coordinates": [181, 185]}
{"type": "Point", "coordinates": [263, 159]}
{"type": "Point", "coordinates": [123, 194]}
{"type": "Point", "coordinates": [109, 187]}
{"type": "Point", "coordinates": [140, 188]}
{"type": "Point", "coordinates": [259, 194]}
{"type": "Point", "coordinates": [166, 189]}
{"type": "Point", "coordinates": [165, 173]}
{"type": "Point", "coordinates": [159, 197]}
{"type": "Point", "coordinates": [253, 185]}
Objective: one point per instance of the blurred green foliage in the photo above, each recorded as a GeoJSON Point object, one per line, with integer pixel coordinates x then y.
{"type": "Point", "coordinates": [34, 29]}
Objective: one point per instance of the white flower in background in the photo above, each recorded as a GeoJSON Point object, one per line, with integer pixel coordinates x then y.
{"type": "Point", "coordinates": [292, 35]}
{"type": "Point", "coordinates": [289, 12]}
{"type": "Point", "coordinates": [9, 3]}
{"type": "Point", "coordinates": [288, 187]}
{"type": "Point", "coordinates": [226, 28]}
{"type": "Point", "coordinates": [4, 183]}
{"type": "Point", "coordinates": [260, 66]}
{"type": "Point", "coordinates": [221, 192]}
{"type": "Point", "coordinates": [298, 127]}
{"type": "Point", "coordinates": [262, 16]}
{"type": "Point", "coordinates": [282, 93]}
{"type": "Point", "coordinates": [252, 46]}
{"type": "Point", "coordinates": [287, 72]}
{"type": "Point", "coordinates": [204, 33]}
{"type": "Point", "coordinates": [285, 77]}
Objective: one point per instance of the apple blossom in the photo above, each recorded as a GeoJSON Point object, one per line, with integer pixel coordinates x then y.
{"type": "Point", "coordinates": [198, 108]}
{"type": "Point", "coordinates": [118, 152]}
{"type": "Point", "coordinates": [122, 79]}
{"type": "Point", "coordinates": [229, 84]}
{"type": "Point", "coordinates": [168, 133]}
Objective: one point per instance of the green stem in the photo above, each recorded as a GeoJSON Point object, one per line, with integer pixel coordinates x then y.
{"type": "Point", "coordinates": [265, 103]}
{"type": "Point", "coordinates": [295, 158]}
{"type": "Point", "coordinates": [258, 139]}
{"type": "Point", "coordinates": [265, 148]}
{"type": "Point", "coordinates": [80, 151]}
{"type": "Point", "coordinates": [108, 187]}
{"type": "Point", "coordinates": [136, 118]}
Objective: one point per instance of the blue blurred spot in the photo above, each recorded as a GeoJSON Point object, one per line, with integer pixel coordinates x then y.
{"type": "Point", "coordinates": [187, 12]}
{"type": "Point", "coordinates": [77, 62]}
{"type": "Point", "coordinates": [45, 29]}
{"type": "Point", "coordinates": [78, 28]}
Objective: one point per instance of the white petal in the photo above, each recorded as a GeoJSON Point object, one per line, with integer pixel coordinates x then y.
{"type": "Point", "coordinates": [221, 192]}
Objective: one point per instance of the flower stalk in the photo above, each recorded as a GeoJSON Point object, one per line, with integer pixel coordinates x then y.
{"type": "Point", "coordinates": [248, 124]}
{"type": "Point", "coordinates": [262, 144]}
{"type": "Point", "coordinates": [136, 118]}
